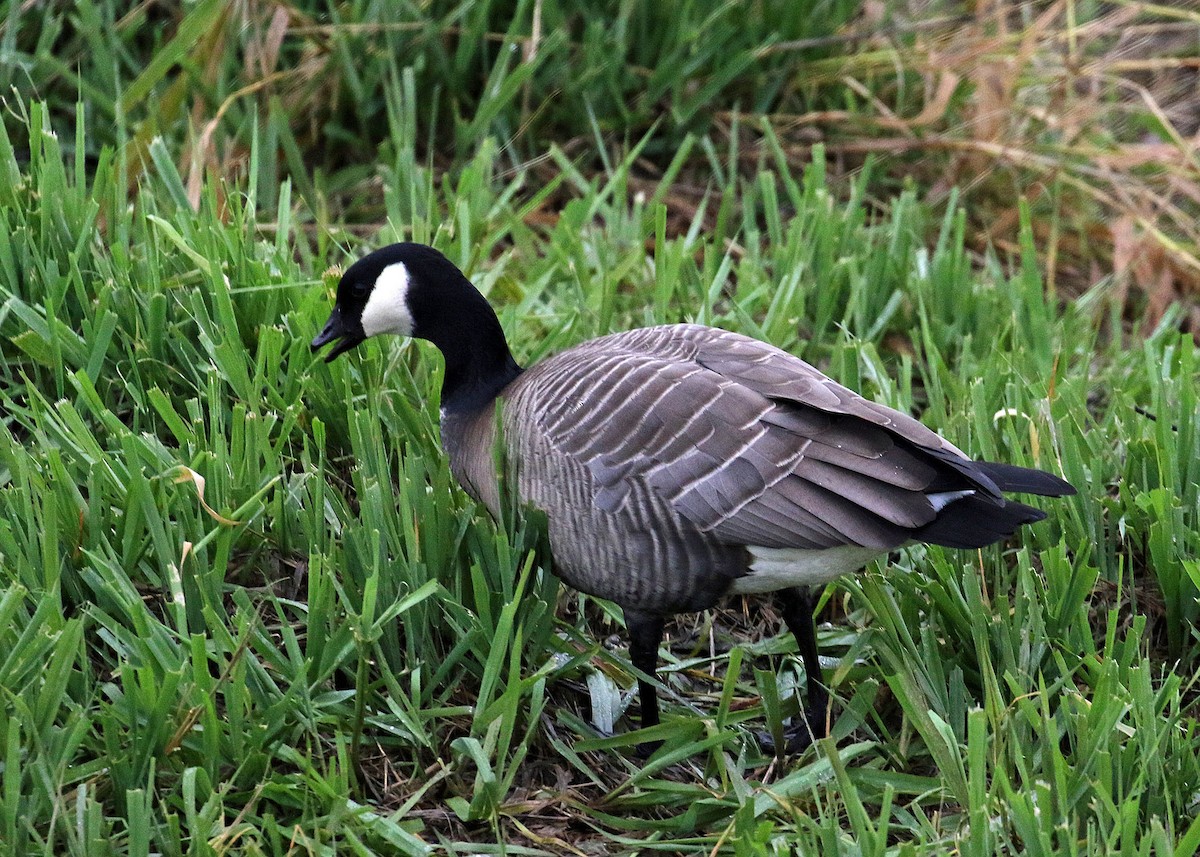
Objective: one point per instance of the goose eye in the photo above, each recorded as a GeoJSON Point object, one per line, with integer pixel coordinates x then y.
{"type": "Point", "coordinates": [360, 290]}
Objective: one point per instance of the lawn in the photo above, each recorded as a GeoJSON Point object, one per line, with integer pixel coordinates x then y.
{"type": "Point", "coordinates": [245, 609]}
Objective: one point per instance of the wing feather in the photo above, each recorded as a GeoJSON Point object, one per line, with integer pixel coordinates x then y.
{"type": "Point", "coordinates": [745, 441]}
{"type": "Point", "coordinates": [899, 467]}
{"type": "Point", "coordinates": [901, 506]}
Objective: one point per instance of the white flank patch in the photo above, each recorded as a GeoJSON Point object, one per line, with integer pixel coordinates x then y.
{"type": "Point", "coordinates": [387, 306]}
{"type": "Point", "coordinates": [779, 568]}
{"type": "Point", "coordinates": [945, 498]}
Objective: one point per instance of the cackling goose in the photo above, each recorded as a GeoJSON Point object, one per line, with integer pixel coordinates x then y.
{"type": "Point", "coordinates": [679, 463]}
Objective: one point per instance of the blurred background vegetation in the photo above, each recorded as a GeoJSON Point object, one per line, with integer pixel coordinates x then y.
{"type": "Point", "coordinates": [1087, 111]}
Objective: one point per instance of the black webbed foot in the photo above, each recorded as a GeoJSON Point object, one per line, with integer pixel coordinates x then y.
{"type": "Point", "coordinates": [798, 737]}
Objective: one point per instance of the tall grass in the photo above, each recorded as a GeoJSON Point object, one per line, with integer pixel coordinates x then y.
{"type": "Point", "coordinates": [244, 609]}
{"type": "Point", "coordinates": [245, 603]}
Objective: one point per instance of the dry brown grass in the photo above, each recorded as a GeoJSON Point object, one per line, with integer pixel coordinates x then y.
{"type": "Point", "coordinates": [1095, 125]}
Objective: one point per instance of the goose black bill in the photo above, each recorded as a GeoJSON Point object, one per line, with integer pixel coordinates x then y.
{"type": "Point", "coordinates": [337, 329]}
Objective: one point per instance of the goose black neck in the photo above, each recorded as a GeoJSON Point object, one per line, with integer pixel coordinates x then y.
{"type": "Point", "coordinates": [461, 323]}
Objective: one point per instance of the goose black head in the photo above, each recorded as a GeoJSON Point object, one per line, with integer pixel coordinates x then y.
{"type": "Point", "coordinates": [413, 290]}
{"type": "Point", "coordinates": [377, 294]}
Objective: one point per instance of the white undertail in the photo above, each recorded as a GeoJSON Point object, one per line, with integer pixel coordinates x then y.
{"type": "Point", "coordinates": [779, 568]}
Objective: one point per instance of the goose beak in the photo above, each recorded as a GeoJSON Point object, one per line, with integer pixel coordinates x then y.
{"type": "Point", "coordinates": [336, 329]}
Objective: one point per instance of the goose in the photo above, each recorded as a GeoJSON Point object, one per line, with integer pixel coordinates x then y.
{"type": "Point", "coordinates": [681, 463]}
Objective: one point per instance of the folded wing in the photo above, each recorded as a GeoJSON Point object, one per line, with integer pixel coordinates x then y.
{"type": "Point", "coordinates": [757, 447]}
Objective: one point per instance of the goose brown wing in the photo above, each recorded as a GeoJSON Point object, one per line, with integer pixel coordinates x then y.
{"type": "Point", "coordinates": [745, 441]}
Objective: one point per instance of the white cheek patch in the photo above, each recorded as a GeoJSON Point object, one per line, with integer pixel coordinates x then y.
{"type": "Point", "coordinates": [387, 307]}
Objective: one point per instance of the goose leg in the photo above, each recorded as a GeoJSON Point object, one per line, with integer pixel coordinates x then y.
{"type": "Point", "coordinates": [645, 636]}
{"type": "Point", "coordinates": [798, 603]}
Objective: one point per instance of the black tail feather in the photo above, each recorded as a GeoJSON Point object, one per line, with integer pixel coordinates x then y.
{"type": "Point", "coordinates": [1025, 480]}
{"type": "Point", "coordinates": [973, 522]}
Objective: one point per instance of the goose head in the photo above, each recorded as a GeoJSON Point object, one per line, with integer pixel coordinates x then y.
{"type": "Point", "coordinates": [372, 297]}
{"type": "Point", "coordinates": [413, 290]}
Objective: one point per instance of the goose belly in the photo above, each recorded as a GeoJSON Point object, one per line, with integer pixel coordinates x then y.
{"type": "Point", "coordinates": [668, 567]}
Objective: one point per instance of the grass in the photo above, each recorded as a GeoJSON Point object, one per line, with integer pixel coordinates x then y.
{"type": "Point", "coordinates": [1083, 110]}
{"type": "Point", "coordinates": [245, 610]}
